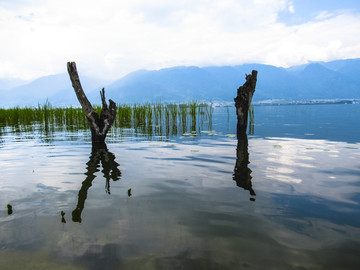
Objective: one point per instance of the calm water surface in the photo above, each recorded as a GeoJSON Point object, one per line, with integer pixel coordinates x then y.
{"type": "Point", "coordinates": [286, 197]}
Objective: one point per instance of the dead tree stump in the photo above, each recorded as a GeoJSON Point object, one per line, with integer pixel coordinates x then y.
{"type": "Point", "coordinates": [99, 126]}
{"type": "Point", "coordinates": [243, 101]}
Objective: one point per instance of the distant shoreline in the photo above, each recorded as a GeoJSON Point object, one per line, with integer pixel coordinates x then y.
{"type": "Point", "coordinates": [279, 102]}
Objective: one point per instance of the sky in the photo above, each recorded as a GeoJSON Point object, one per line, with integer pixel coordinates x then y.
{"type": "Point", "coordinates": [109, 38]}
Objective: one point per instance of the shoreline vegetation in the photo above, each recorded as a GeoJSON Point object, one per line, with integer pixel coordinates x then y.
{"type": "Point", "coordinates": [148, 119]}
{"type": "Point", "coordinates": [139, 120]}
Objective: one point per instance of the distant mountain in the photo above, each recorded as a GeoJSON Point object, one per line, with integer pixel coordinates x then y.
{"type": "Point", "coordinates": [349, 68]}
{"type": "Point", "coordinates": [56, 89]}
{"type": "Point", "coordinates": [6, 84]}
{"type": "Point", "coordinates": [317, 81]}
{"type": "Point", "coordinates": [338, 79]}
{"type": "Point", "coordinates": [332, 80]}
{"type": "Point", "coordinates": [170, 84]}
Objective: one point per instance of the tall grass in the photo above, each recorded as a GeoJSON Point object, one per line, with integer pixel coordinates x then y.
{"type": "Point", "coordinates": [160, 119]}
{"type": "Point", "coordinates": [251, 119]}
{"type": "Point", "coordinates": [155, 119]}
{"type": "Point", "coordinates": [44, 115]}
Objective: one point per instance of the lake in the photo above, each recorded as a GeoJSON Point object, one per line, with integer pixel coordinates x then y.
{"type": "Point", "coordinates": [285, 197]}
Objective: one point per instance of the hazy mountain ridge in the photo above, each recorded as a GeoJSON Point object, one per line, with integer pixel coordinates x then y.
{"type": "Point", "coordinates": [55, 88]}
{"type": "Point", "coordinates": [331, 80]}
{"type": "Point", "coordinates": [6, 84]}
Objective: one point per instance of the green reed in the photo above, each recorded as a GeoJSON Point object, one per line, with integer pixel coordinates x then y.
{"type": "Point", "coordinates": [44, 114]}
{"type": "Point", "coordinates": [157, 119]}
{"type": "Point", "coordinates": [251, 119]}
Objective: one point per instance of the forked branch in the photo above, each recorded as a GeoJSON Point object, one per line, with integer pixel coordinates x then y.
{"type": "Point", "coordinates": [99, 126]}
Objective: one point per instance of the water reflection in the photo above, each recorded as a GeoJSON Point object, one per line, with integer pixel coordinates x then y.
{"type": "Point", "coordinates": [99, 154]}
{"type": "Point", "coordinates": [63, 217]}
{"type": "Point", "coordinates": [242, 172]}
{"type": "Point", "coordinates": [1, 135]}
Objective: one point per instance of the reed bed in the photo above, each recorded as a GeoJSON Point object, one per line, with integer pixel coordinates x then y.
{"type": "Point", "coordinates": [43, 115]}
{"type": "Point", "coordinates": [156, 119]}
{"type": "Point", "coordinates": [160, 119]}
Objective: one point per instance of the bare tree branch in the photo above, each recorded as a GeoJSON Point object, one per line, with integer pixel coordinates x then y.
{"type": "Point", "coordinates": [99, 126]}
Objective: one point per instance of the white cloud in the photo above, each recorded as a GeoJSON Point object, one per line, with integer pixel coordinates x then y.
{"type": "Point", "coordinates": [323, 15]}
{"type": "Point", "coordinates": [291, 8]}
{"type": "Point", "coordinates": [318, 41]}
{"type": "Point", "coordinates": [111, 38]}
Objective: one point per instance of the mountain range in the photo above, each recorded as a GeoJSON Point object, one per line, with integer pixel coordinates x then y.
{"type": "Point", "coordinates": [338, 79]}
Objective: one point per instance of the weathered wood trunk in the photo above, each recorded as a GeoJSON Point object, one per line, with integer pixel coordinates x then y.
{"type": "Point", "coordinates": [99, 126]}
{"type": "Point", "coordinates": [243, 100]}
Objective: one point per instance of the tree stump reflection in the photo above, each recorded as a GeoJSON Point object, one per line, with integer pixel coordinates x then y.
{"type": "Point", "coordinates": [242, 172]}
{"type": "Point", "coordinates": [110, 170]}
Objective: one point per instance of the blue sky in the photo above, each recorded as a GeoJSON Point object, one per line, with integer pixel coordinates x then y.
{"type": "Point", "coordinates": [111, 38]}
{"type": "Point", "coordinates": [306, 10]}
